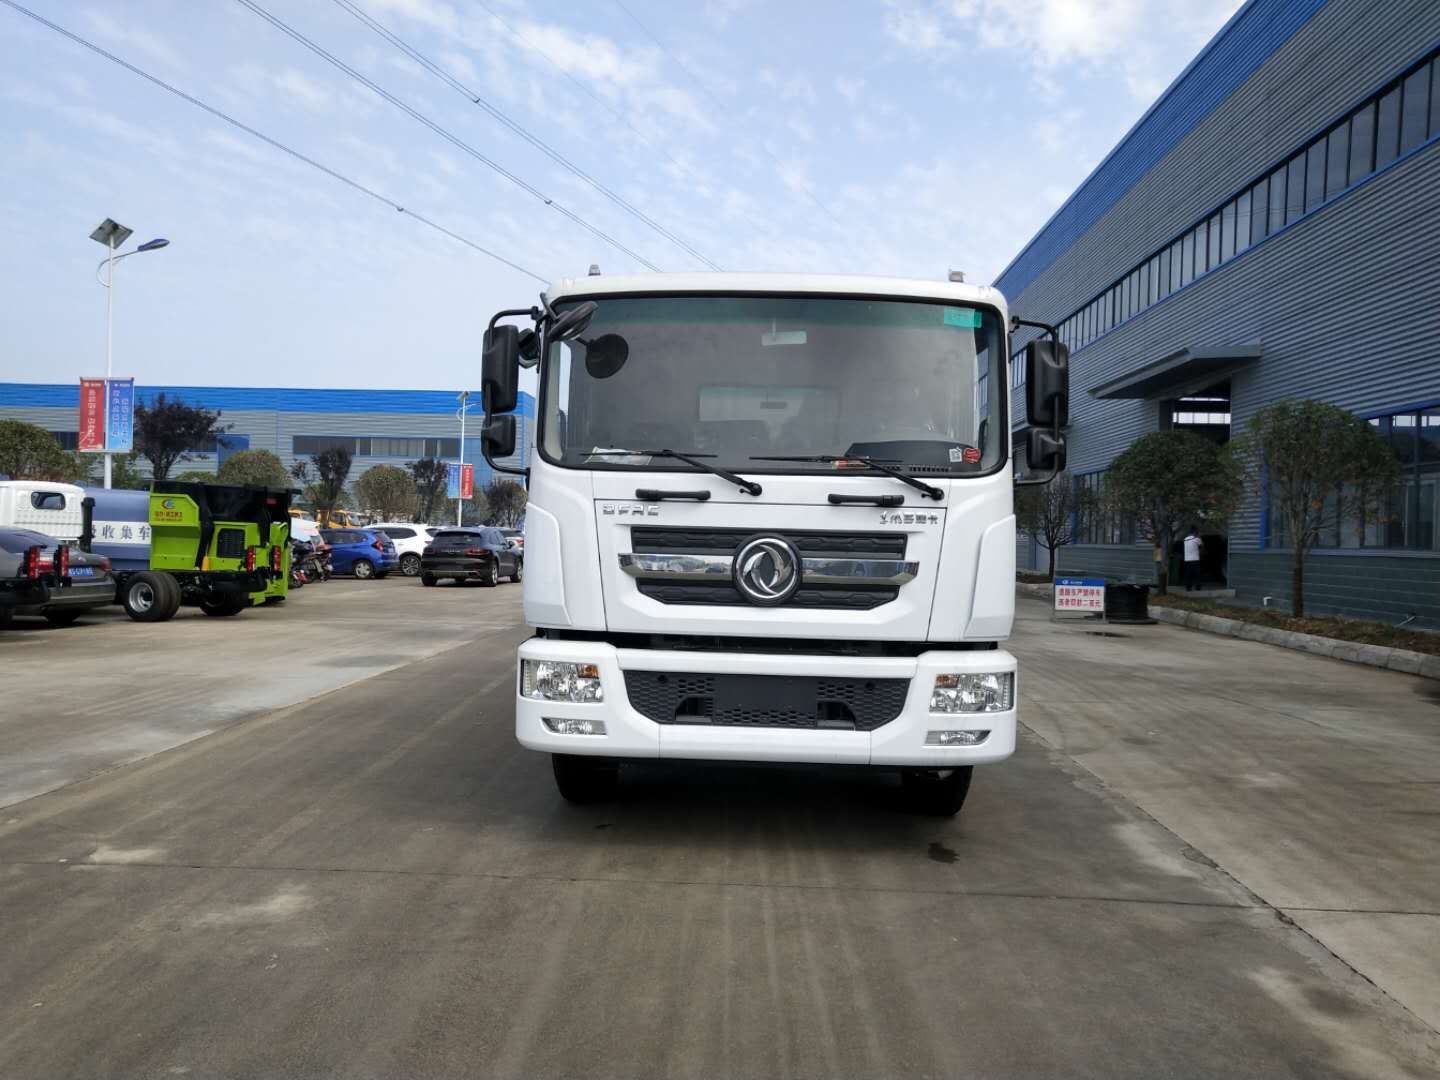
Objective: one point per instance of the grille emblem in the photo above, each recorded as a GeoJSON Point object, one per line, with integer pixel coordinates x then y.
{"type": "Point", "coordinates": [767, 570]}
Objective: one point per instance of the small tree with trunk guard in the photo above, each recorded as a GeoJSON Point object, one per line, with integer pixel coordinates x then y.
{"type": "Point", "coordinates": [430, 478]}
{"type": "Point", "coordinates": [1047, 512]}
{"type": "Point", "coordinates": [388, 490]}
{"type": "Point", "coordinates": [1321, 468]}
{"type": "Point", "coordinates": [1167, 480]}
{"type": "Point", "coordinates": [327, 492]}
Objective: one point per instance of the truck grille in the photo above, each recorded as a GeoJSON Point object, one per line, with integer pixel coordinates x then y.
{"type": "Point", "coordinates": [660, 541]}
{"type": "Point", "coordinates": [778, 701]}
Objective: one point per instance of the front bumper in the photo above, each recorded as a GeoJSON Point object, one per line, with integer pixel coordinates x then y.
{"type": "Point", "coordinates": [628, 734]}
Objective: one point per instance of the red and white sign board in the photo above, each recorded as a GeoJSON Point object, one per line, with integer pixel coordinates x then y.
{"type": "Point", "coordinates": [92, 415]}
{"type": "Point", "coordinates": [1085, 595]}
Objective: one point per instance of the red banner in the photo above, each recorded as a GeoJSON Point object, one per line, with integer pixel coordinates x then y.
{"type": "Point", "coordinates": [92, 415]}
{"type": "Point", "coordinates": [467, 481]}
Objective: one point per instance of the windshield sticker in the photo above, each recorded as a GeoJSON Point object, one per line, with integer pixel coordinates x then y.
{"type": "Point", "coordinates": [967, 455]}
{"type": "Point", "coordinates": [968, 318]}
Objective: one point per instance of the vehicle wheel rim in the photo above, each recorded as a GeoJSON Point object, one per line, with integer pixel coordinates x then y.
{"type": "Point", "coordinates": [142, 597]}
{"type": "Point", "coordinates": [362, 569]}
{"type": "Point", "coordinates": [494, 575]}
{"type": "Point", "coordinates": [411, 566]}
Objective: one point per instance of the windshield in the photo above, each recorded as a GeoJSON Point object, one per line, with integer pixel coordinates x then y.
{"type": "Point", "coordinates": [736, 378]}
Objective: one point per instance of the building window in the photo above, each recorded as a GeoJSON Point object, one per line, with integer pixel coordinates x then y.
{"type": "Point", "coordinates": [1337, 157]}
{"type": "Point", "coordinates": [318, 444]}
{"type": "Point", "coordinates": [68, 440]}
{"type": "Point", "coordinates": [1407, 517]}
{"type": "Point", "coordinates": [1387, 129]}
{"type": "Point", "coordinates": [1414, 109]}
{"type": "Point", "coordinates": [1362, 142]}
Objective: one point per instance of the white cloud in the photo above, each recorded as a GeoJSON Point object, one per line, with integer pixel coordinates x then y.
{"type": "Point", "coordinates": [432, 13]}
{"type": "Point", "coordinates": [849, 88]}
{"type": "Point", "coordinates": [151, 44]}
{"type": "Point", "coordinates": [303, 90]}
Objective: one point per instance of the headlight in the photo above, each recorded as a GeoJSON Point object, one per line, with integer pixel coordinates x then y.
{"type": "Point", "coordinates": [973, 693]}
{"type": "Point", "coordinates": [557, 680]}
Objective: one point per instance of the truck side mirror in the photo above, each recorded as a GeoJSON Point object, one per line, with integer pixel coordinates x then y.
{"type": "Point", "coordinates": [498, 438]}
{"type": "Point", "coordinates": [1044, 450]}
{"type": "Point", "coordinates": [1047, 384]}
{"type": "Point", "coordinates": [500, 368]}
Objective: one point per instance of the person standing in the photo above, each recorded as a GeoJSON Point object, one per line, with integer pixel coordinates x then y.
{"type": "Point", "coordinates": [1193, 546]}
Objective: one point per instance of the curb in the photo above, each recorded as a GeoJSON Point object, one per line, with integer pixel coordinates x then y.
{"type": "Point", "coordinates": [1352, 652]}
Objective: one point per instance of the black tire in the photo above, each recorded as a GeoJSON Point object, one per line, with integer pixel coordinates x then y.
{"type": "Point", "coordinates": [270, 601]}
{"type": "Point", "coordinates": [363, 569]}
{"type": "Point", "coordinates": [936, 792]}
{"type": "Point", "coordinates": [175, 595]}
{"type": "Point", "coordinates": [586, 779]}
{"type": "Point", "coordinates": [428, 580]}
{"type": "Point", "coordinates": [147, 596]}
{"type": "Point", "coordinates": [491, 577]}
{"type": "Point", "coordinates": [410, 565]}
{"type": "Point", "coordinates": [225, 605]}
{"type": "Point", "coordinates": [63, 616]}
{"type": "Point", "coordinates": [519, 571]}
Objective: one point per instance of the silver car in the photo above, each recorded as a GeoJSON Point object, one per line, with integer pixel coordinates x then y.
{"type": "Point", "coordinates": [42, 576]}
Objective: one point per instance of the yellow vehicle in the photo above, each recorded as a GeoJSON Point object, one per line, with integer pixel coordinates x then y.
{"type": "Point", "coordinates": [336, 519]}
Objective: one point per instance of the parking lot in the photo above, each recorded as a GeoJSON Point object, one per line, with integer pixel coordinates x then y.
{"type": "Point", "coordinates": [303, 842]}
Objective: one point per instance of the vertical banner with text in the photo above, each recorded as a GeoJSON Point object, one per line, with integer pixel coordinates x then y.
{"type": "Point", "coordinates": [92, 415]}
{"type": "Point", "coordinates": [459, 480]}
{"type": "Point", "coordinates": [120, 416]}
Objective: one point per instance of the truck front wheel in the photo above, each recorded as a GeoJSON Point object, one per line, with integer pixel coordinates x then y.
{"type": "Point", "coordinates": [147, 597]}
{"type": "Point", "coordinates": [936, 792]}
{"type": "Point", "coordinates": [586, 779]}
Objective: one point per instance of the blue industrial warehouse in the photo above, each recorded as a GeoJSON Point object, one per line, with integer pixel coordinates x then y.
{"type": "Point", "coordinates": [1267, 230]}
{"type": "Point", "coordinates": [379, 427]}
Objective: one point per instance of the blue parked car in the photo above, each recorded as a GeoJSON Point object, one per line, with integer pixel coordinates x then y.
{"type": "Point", "coordinates": [366, 553]}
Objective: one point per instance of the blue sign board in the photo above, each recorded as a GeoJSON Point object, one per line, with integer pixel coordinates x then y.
{"type": "Point", "coordinates": [452, 480]}
{"type": "Point", "coordinates": [119, 415]}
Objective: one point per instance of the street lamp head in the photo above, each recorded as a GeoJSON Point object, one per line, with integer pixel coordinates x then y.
{"type": "Point", "coordinates": [110, 233]}
{"type": "Point", "coordinates": [153, 245]}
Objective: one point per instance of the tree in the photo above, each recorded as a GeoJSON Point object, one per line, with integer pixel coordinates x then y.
{"type": "Point", "coordinates": [259, 467]}
{"type": "Point", "coordinates": [194, 476]}
{"type": "Point", "coordinates": [28, 452]}
{"type": "Point", "coordinates": [1322, 468]}
{"type": "Point", "coordinates": [506, 500]}
{"type": "Point", "coordinates": [429, 475]}
{"type": "Point", "coordinates": [125, 473]}
{"type": "Point", "coordinates": [388, 491]}
{"type": "Point", "coordinates": [476, 510]}
{"type": "Point", "coordinates": [332, 469]}
{"type": "Point", "coordinates": [1047, 512]}
{"type": "Point", "coordinates": [1168, 480]}
{"type": "Point", "coordinates": [169, 431]}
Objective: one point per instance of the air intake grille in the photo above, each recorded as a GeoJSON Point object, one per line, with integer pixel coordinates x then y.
{"type": "Point", "coordinates": [780, 701]}
{"type": "Point", "coordinates": [661, 541]}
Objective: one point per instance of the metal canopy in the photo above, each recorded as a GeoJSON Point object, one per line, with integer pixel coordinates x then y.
{"type": "Point", "coordinates": [110, 233]}
{"type": "Point", "coordinates": [1179, 373]}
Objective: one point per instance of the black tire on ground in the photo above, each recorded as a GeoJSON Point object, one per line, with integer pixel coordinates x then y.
{"type": "Point", "coordinates": [428, 579]}
{"type": "Point", "coordinates": [174, 594]}
{"type": "Point", "coordinates": [936, 792]}
{"type": "Point", "coordinates": [147, 596]}
{"type": "Point", "coordinates": [62, 616]}
{"type": "Point", "coordinates": [271, 600]}
{"type": "Point", "coordinates": [225, 604]}
{"type": "Point", "coordinates": [519, 571]}
{"type": "Point", "coordinates": [410, 565]}
{"type": "Point", "coordinates": [490, 578]}
{"type": "Point", "coordinates": [586, 779]}
{"type": "Point", "coordinates": [363, 569]}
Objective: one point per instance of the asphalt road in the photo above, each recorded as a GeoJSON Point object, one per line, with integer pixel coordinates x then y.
{"type": "Point", "coordinates": [378, 882]}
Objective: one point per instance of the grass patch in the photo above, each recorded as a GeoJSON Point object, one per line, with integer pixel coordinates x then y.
{"type": "Point", "coordinates": [1331, 626]}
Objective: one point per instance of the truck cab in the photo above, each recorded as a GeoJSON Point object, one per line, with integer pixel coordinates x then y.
{"type": "Point", "coordinates": [770, 518]}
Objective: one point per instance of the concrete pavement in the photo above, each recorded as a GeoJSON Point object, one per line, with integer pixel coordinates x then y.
{"type": "Point", "coordinates": [379, 882]}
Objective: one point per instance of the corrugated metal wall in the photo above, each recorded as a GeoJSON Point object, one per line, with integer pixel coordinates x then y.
{"type": "Point", "coordinates": [1346, 302]}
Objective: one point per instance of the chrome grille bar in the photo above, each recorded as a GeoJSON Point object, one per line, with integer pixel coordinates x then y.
{"type": "Point", "coordinates": [813, 571]}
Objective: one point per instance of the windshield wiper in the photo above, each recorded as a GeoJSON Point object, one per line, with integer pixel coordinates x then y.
{"type": "Point", "coordinates": [875, 463]}
{"type": "Point", "coordinates": [747, 486]}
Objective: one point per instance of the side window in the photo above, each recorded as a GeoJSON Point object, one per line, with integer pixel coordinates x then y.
{"type": "Point", "coordinates": [496, 538]}
{"type": "Point", "coordinates": [47, 500]}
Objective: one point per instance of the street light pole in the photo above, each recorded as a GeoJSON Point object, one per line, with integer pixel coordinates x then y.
{"type": "Point", "coordinates": [112, 234]}
{"type": "Point", "coordinates": [460, 502]}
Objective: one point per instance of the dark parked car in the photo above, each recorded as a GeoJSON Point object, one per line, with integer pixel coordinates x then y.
{"type": "Point", "coordinates": [482, 555]}
{"type": "Point", "coordinates": [40, 575]}
{"type": "Point", "coordinates": [366, 553]}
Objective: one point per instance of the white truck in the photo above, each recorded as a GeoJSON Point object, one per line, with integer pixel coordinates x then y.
{"type": "Point", "coordinates": [770, 519]}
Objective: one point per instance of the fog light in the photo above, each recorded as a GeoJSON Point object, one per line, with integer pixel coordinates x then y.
{"type": "Point", "coordinates": [990, 691]}
{"type": "Point", "coordinates": [558, 680]}
{"type": "Point", "coordinates": [574, 727]}
{"type": "Point", "coordinates": [955, 738]}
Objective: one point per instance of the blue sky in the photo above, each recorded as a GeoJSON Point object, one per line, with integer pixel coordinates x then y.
{"type": "Point", "coordinates": [901, 137]}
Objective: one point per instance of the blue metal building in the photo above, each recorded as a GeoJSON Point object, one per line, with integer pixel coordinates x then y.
{"type": "Point", "coordinates": [1267, 230]}
{"type": "Point", "coordinates": [379, 427]}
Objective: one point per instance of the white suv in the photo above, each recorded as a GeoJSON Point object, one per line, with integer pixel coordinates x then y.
{"type": "Point", "coordinates": [410, 541]}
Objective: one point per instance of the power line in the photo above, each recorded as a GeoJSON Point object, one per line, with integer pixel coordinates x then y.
{"type": "Point", "coordinates": [448, 136]}
{"type": "Point", "coordinates": [296, 154]}
{"type": "Point", "coordinates": [719, 106]}
{"type": "Point", "coordinates": [476, 99]}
